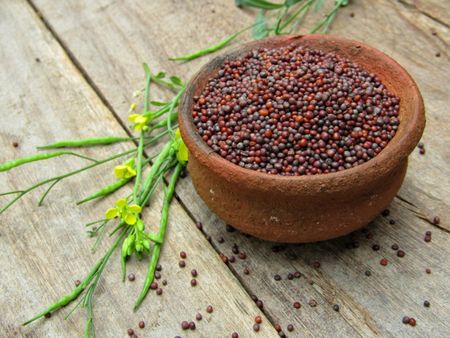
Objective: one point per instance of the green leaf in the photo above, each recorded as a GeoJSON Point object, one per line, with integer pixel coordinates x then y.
{"type": "Point", "coordinates": [263, 4]}
{"type": "Point", "coordinates": [160, 75]}
{"type": "Point", "coordinates": [260, 30]}
{"type": "Point", "coordinates": [176, 80]}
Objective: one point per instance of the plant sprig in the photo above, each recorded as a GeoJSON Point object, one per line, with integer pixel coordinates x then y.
{"type": "Point", "coordinates": [288, 15]}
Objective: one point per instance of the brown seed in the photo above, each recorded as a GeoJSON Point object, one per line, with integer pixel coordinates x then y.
{"type": "Point", "coordinates": [157, 275]}
{"type": "Point", "coordinates": [130, 332]}
{"type": "Point", "coordinates": [198, 316]}
{"type": "Point", "coordinates": [375, 247]}
{"type": "Point", "coordinates": [368, 273]}
{"type": "Point", "coordinates": [297, 274]}
{"type": "Point", "coordinates": [221, 240]}
{"type": "Point", "coordinates": [436, 220]}
{"type": "Point", "coordinates": [141, 324]}
{"type": "Point", "coordinates": [192, 325]}
{"type": "Point", "coordinates": [259, 303]}
{"type": "Point", "coordinates": [412, 321]}
{"type": "Point", "coordinates": [231, 259]}
{"type": "Point", "coordinates": [256, 327]}
{"type": "Point", "coordinates": [182, 264]}
{"type": "Point", "coordinates": [154, 286]}
{"type": "Point", "coordinates": [242, 255]}
{"type": "Point", "coordinates": [426, 303]}
{"type": "Point", "coordinates": [246, 271]}
{"type": "Point", "coordinates": [428, 270]}
{"type": "Point", "coordinates": [159, 267]}
{"type": "Point", "coordinates": [405, 320]}
{"type": "Point", "coordinates": [384, 261]}
{"type": "Point", "coordinates": [278, 327]}
{"type": "Point", "coordinates": [159, 291]}
{"type": "Point", "coordinates": [48, 315]}
{"type": "Point", "coordinates": [385, 212]}
{"type": "Point", "coordinates": [131, 277]}
{"type": "Point", "coordinates": [234, 335]}
{"type": "Point", "coordinates": [290, 327]}
{"type": "Point", "coordinates": [209, 309]}
{"type": "Point", "coordinates": [164, 282]}
{"type": "Point", "coordinates": [77, 282]}
{"type": "Point", "coordinates": [336, 307]}
{"type": "Point", "coordinates": [134, 336]}
{"type": "Point", "coordinates": [194, 273]}
{"type": "Point", "coordinates": [183, 254]}
{"type": "Point", "coordinates": [184, 325]}
{"type": "Point", "coordinates": [391, 221]}
{"type": "Point", "coordinates": [258, 320]}
{"type": "Point", "coordinates": [316, 265]}
{"type": "Point", "coordinates": [193, 282]}
{"type": "Point", "coordinates": [277, 277]}
{"type": "Point", "coordinates": [394, 246]}
{"type": "Point", "coordinates": [297, 305]}
{"type": "Point", "coordinates": [400, 253]}
{"type": "Point", "coordinates": [15, 144]}
{"type": "Point", "coordinates": [199, 226]}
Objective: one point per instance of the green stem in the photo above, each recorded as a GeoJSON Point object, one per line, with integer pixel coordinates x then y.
{"type": "Point", "coordinates": [168, 195]}
{"type": "Point", "coordinates": [87, 142]}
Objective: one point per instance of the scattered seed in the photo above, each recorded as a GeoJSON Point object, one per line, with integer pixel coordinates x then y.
{"type": "Point", "coordinates": [157, 275]}
{"type": "Point", "coordinates": [77, 282]}
{"type": "Point", "coordinates": [159, 267]}
{"type": "Point", "coordinates": [352, 15]}
{"type": "Point", "coordinates": [375, 247]}
{"type": "Point", "coordinates": [183, 254]}
{"type": "Point", "coordinates": [224, 258]}
{"type": "Point", "coordinates": [221, 240]}
{"type": "Point", "coordinates": [383, 261]}
{"type": "Point", "coordinates": [198, 316]}
{"type": "Point", "coordinates": [400, 253]}
{"type": "Point", "coordinates": [159, 291]}
{"type": "Point", "coordinates": [234, 335]}
{"type": "Point", "coordinates": [258, 320]}
{"type": "Point", "coordinates": [164, 282]}
{"type": "Point", "coordinates": [231, 259]}
{"type": "Point", "coordinates": [405, 320]}
{"type": "Point", "coordinates": [290, 327]}
{"type": "Point", "coordinates": [48, 315]}
{"type": "Point", "coordinates": [246, 271]}
{"type": "Point", "coordinates": [391, 222]}
{"type": "Point", "coordinates": [412, 321]}
{"type": "Point", "coordinates": [259, 304]}
{"type": "Point", "coordinates": [154, 286]}
{"type": "Point", "coordinates": [394, 246]}
{"type": "Point", "coordinates": [141, 324]}
{"type": "Point", "coordinates": [368, 273]}
{"type": "Point", "coordinates": [242, 255]}
{"type": "Point", "coordinates": [438, 54]}
{"type": "Point", "coordinates": [131, 277]}
{"type": "Point", "coordinates": [277, 327]}
{"type": "Point", "coordinates": [182, 264]}
{"type": "Point", "coordinates": [194, 273]}
{"type": "Point", "coordinates": [209, 309]}
{"type": "Point", "coordinates": [422, 151]}
{"type": "Point", "coordinates": [256, 327]}
{"type": "Point", "coordinates": [290, 276]}
{"type": "Point", "coordinates": [436, 220]}
{"type": "Point", "coordinates": [426, 303]}
{"type": "Point", "coordinates": [199, 226]}
{"type": "Point", "coordinates": [297, 274]}
{"type": "Point", "coordinates": [316, 265]}
{"type": "Point", "coordinates": [192, 325]}
{"type": "Point", "coordinates": [297, 305]}
{"type": "Point", "coordinates": [184, 325]}
{"type": "Point", "coordinates": [130, 332]}
{"type": "Point", "coordinates": [336, 307]}
{"type": "Point", "coordinates": [15, 144]}
{"type": "Point", "coordinates": [194, 282]}
{"type": "Point", "coordinates": [277, 277]}
{"type": "Point", "coordinates": [428, 270]}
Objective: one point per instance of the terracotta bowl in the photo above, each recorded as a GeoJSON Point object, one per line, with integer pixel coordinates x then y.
{"type": "Point", "coordinates": [306, 208]}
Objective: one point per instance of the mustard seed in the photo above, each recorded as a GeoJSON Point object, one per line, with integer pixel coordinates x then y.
{"type": "Point", "coordinates": [209, 309]}
{"type": "Point", "coordinates": [384, 261]}
{"type": "Point", "coordinates": [141, 324]}
{"type": "Point", "coordinates": [131, 277]}
{"type": "Point", "coordinates": [290, 328]}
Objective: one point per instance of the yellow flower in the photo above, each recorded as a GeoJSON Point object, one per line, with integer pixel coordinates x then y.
{"type": "Point", "coordinates": [182, 152]}
{"type": "Point", "coordinates": [133, 106]}
{"type": "Point", "coordinates": [126, 170]}
{"type": "Point", "coordinates": [140, 121]}
{"type": "Point", "coordinates": [127, 213]}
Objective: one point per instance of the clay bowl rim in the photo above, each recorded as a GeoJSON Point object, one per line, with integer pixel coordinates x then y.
{"type": "Point", "coordinates": [397, 150]}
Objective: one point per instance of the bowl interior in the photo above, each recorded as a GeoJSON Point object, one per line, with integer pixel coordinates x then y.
{"type": "Point", "coordinates": [392, 75]}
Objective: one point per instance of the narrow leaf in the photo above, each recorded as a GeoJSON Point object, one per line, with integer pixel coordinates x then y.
{"type": "Point", "coordinates": [260, 30]}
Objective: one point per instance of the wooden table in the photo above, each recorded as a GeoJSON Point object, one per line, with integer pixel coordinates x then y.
{"type": "Point", "coordinates": [69, 69]}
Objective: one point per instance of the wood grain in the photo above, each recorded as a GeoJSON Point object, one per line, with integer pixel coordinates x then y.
{"type": "Point", "coordinates": [44, 250]}
{"type": "Point", "coordinates": [369, 306]}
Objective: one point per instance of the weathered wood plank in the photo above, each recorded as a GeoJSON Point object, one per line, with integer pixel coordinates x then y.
{"type": "Point", "coordinates": [44, 250]}
{"type": "Point", "coordinates": [370, 306]}
{"type": "Point", "coordinates": [435, 9]}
